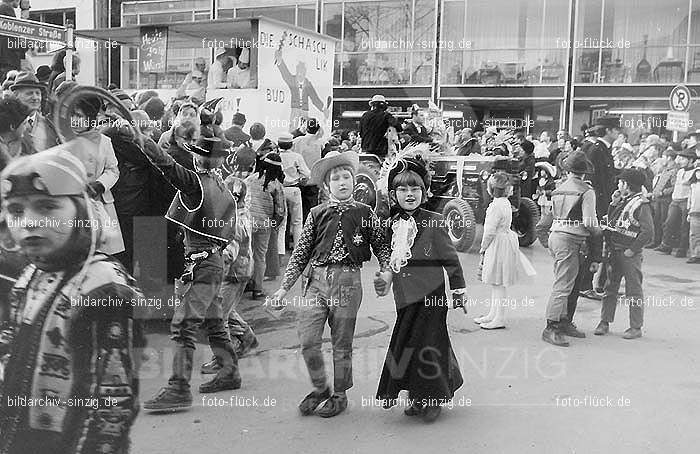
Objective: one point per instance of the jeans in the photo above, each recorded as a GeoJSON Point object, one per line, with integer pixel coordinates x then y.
{"type": "Point", "coordinates": [293, 217]}
{"type": "Point", "coordinates": [200, 307]}
{"type": "Point", "coordinates": [566, 250]}
{"type": "Point", "coordinates": [676, 225]}
{"type": "Point", "coordinates": [231, 294]}
{"type": "Point", "coordinates": [695, 235]}
{"type": "Point", "coordinates": [631, 269]}
{"type": "Point", "coordinates": [332, 293]}
{"type": "Point", "coordinates": [272, 258]}
{"type": "Point", "coordinates": [260, 240]}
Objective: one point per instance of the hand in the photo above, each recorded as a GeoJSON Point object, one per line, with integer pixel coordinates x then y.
{"type": "Point", "coordinates": [628, 253]}
{"type": "Point", "coordinates": [95, 189]}
{"type": "Point", "coordinates": [276, 299]}
{"type": "Point", "coordinates": [594, 267]}
{"type": "Point", "coordinates": [458, 301]}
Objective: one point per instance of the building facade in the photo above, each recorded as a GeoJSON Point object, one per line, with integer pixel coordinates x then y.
{"type": "Point", "coordinates": [539, 64]}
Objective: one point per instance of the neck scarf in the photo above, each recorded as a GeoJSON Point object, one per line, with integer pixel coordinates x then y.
{"type": "Point", "coordinates": [404, 231]}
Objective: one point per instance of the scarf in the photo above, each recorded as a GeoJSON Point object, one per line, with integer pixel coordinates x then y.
{"type": "Point", "coordinates": [404, 230]}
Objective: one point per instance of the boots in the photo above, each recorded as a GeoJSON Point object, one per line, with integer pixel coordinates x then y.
{"type": "Point", "coordinates": [551, 334]}
{"type": "Point", "coordinates": [567, 328]}
{"type": "Point", "coordinates": [177, 394]}
{"type": "Point", "coordinates": [169, 399]}
{"type": "Point", "coordinates": [228, 377]}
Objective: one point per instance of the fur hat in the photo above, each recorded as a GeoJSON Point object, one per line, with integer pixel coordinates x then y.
{"type": "Point", "coordinates": [416, 165]}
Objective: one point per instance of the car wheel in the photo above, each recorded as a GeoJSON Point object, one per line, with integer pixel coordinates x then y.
{"type": "Point", "coordinates": [525, 222]}
{"type": "Point", "coordinates": [461, 225]}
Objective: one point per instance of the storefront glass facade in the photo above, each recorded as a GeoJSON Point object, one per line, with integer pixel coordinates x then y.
{"type": "Point", "coordinates": [485, 48]}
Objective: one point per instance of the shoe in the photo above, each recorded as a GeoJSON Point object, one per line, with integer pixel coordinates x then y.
{"type": "Point", "coordinates": [632, 333]}
{"type": "Point", "coordinates": [482, 319]}
{"type": "Point", "coordinates": [210, 367]}
{"type": "Point", "coordinates": [652, 246]}
{"type": "Point", "coordinates": [334, 406]}
{"type": "Point", "coordinates": [312, 400]}
{"type": "Point", "coordinates": [568, 328]}
{"type": "Point", "coordinates": [258, 294]}
{"type": "Point", "coordinates": [602, 329]}
{"type": "Point", "coordinates": [247, 343]}
{"type": "Point", "coordinates": [431, 413]}
{"type": "Point", "coordinates": [493, 324]}
{"type": "Point", "coordinates": [416, 409]}
{"type": "Point", "coordinates": [552, 336]}
{"type": "Point", "coordinates": [591, 294]}
{"type": "Point", "coordinates": [679, 253]}
{"type": "Point", "coordinates": [664, 249]}
{"type": "Point", "coordinates": [217, 384]}
{"type": "Point", "coordinates": [169, 399]}
{"type": "Point", "coordinates": [693, 260]}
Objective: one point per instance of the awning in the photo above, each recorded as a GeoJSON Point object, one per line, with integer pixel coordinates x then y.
{"type": "Point", "coordinates": [187, 35]}
{"type": "Point", "coordinates": [181, 35]}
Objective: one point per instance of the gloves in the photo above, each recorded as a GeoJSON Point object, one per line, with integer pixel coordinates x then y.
{"type": "Point", "coordinates": [95, 189]}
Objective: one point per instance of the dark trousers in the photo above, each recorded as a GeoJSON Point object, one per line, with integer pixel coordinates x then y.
{"type": "Point", "coordinates": [200, 307]}
{"type": "Point", "coordinates": [660, 207]}
{"type": "Point", "coordinates": [630, 268]}
{"type": "Point", "coordinates": [676, 227]}
{"type": "Point", "coordinates": [309, 199]}
{"type": "Point", "coordinates": [583, 279]}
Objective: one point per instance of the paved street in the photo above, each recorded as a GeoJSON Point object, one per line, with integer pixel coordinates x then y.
{"type": "Point", "coordinates": [601, 395]}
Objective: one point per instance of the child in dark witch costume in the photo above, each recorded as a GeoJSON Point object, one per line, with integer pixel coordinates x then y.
{"type": "Point", "coordinates": [420, 250]}
{"type": "Point", "coordinates": [69, 331]}
{"type": "Point", "coordinates": [335, 241]}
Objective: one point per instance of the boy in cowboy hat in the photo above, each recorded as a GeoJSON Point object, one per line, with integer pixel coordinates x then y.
{"type": "Point", "coordinates": [629, 226]}
{"type": "Point", "coordinates": [336, 240]}
{"type": "Point", "coordinates": [206, 209]}
{"type": "Point", "coordinates": [574, 225]}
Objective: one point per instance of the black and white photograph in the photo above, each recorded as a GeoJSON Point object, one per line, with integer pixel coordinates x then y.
{"type": "Point", "coordinates": [349, 226]}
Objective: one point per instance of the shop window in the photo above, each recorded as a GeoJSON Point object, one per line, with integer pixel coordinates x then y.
{"type": "Point", "coordinates": [640, 42]}
{"type": "Point", "coordinates": [55, 17]}
{"type": "Point", "coordinates": [520, 45]}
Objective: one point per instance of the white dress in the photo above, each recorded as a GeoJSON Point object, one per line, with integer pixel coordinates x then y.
{"type": "Point", "coordinates": [504, 264]}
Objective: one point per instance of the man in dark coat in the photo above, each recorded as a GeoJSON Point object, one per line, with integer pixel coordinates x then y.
{"type": "Point", "coordinates": [415, 129]}
{"type": "Point", "coordinates": [527, 164]}
{"type": "Point", "coordinates": [606, 130]}
{"type": "Point", "coordinates": [374, 125]}
{"type": "Point", "coordinates": [468, 144]}
{"type": "Point", "coordinates": [235, 133]}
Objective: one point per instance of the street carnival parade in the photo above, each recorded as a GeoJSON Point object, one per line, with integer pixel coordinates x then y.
{"type": "Point", "coordinates": [415, 220]}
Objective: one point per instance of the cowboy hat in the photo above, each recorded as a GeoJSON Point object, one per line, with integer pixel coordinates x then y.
{"type": "Point", "coordinates": [209, 147]}
{"type": "Point", "coordinates": [577, 162]}
{"type": "Point", "coordinates": [26, 79]}
{"type": "Point", "coordinates": [331, 160]}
